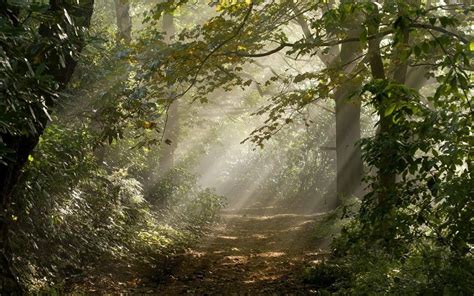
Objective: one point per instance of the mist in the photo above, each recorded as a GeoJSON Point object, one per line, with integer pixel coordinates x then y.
{"type": "Point", "coordinates": [245, 147]}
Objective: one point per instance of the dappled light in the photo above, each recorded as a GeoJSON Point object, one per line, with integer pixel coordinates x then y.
{"type": "Point", "coordinates": [254, 254]}
{"type": "Point", "coordinates": [245, 147]}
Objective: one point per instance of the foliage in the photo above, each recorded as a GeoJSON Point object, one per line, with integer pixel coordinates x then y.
{"type": "Point", "coordinates": [21, 96]}
{"type": "Point", "coordinates": [416, 239]}
{"type": "Point", "coordinates": [293, 169]}
{"type": "Point", "coordinates": [81, 206]}
{"type": "Point", "coordinates": [425, 138]}
{"type": "Point", "coordinates": [94, 215]}
{"type": "Point", "coordinates": [413, 231]}
{"type": "Point", "coordinates": [28, 47]}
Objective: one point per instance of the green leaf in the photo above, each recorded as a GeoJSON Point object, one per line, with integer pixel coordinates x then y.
{"type": "Point", "coordinates": [299, 78]}
{"type": "Point", "coordinates": [417, 50]}
{"type": "Point", "coordinates": [248, 82]}
{"type": "Point", "coordinates": [444, 21]}
{"type": "Point", "coordinates": [363, 36]}
{"type": "Point", "coordinates": [390, 110]}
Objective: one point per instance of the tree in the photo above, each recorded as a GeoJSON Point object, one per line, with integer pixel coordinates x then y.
{"type": "Point", "coordinates": [124, 21]}
{"type": "Point", "coordinates": [123, 38]}
{"type": "Point", "coordinates": [382, 43]}
{"type": "Point", "coordinates": [349, 172]}
{"type": "Point", "coordinates": [40, 57]}
{"type": "Point", "coordinates": [171, 127]}
{"type": "Point", "coordinates": [396, 102]}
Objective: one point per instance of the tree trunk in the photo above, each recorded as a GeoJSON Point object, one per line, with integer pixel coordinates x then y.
{"type": "Point", "coordinates": [22, 145]}
{"type": "Point", "coordinates": [123, 37]}
{"type": "Point", "coordinates": [386, 174]}
{"type": "Point", "coordinates": [386, 178]}
{"type": "Point", "coordinates": [349, 164]}
{"type": "Point", "coordinates": [124, 21]}
{"type": "Point", "coordinates": [348, 152]}
{"type": "Point", "coordinates": [171, 129]}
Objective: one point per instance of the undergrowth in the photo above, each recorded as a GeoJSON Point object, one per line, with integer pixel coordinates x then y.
{"type": "Point", "coordinates": [83, 218]}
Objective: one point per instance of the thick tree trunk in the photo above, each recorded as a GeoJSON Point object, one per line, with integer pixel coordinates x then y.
{"type": "Point", "coordinates": [386, 177]}
{"type": "Point", "coordinates": [22, 145]}
{"type": "Point", "coordinates": [386, 174]}
{"type": "Point", "coordinates": [349, 164]}
{"type": "Point", "coordinates": [348, 152]}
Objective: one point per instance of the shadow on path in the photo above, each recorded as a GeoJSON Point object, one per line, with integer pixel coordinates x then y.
{"type": "Point", "coordinates": [253, 251]}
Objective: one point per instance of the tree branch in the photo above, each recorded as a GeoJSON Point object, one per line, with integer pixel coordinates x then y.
{"type": "Point", "coordinates": [307, 44]}
{"type": "Point", "coordinates": [441, 30]}
{"type": "Point", "coordinates": [237, 32]}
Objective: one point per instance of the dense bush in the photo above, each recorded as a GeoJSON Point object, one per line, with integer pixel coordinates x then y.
{"type": "Point", "coordinates": [418, 239]}
{"type": "Point", "coordinates": [74, 216]}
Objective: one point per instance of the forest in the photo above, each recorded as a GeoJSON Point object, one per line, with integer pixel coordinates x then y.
{"type": "Point", "coordinates": [236, 147]}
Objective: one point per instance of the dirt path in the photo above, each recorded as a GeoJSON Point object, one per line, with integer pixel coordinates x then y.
{"type": "Point", "coordinates": [252, 252]}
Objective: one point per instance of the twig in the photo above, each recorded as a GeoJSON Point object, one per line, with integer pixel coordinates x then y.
{"type": "Point", "coordinates": [237, 32]}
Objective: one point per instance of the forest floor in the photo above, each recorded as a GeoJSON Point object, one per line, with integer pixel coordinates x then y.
{"type": "Point", "coordinates": [252, 251]}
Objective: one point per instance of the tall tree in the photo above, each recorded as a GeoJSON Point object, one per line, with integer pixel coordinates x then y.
{"type": "Point", "coordinates": [243, 32]}
{"type": "Point", "coordinates": [124, 21]}
{"type": "Point", "coordinates": [349, 167]}
{"type": "Point", "coordinates": [123, 38]}
{"type": "Point", "coordinates": [348, 112]}
{"type": "Point", "coordinates": [39, 68]}
{"type": "Point", "coordinates": [171, 127]}
{"type": "Point", "coordinates": [399, 74]}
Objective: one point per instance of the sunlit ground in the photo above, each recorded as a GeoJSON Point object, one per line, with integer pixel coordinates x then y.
{"type": "Point", "coordinates": [258, 245]}
{"type": "Point", "coordinates": [250, 253]}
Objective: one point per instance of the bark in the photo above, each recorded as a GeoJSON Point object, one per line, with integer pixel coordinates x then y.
{"type": "Point", "coordinates": [23, 145]}
{"type": "Point", "coordinates": [348, 152]}
{"type": "Point", "coordinates": [124, 21]}
{"type": "Point", "coordinates": [386, 179]}
{"type": "Point", "coordinates": [171, 129]}
{"type": "Point", "coordinates": [386, 175]}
